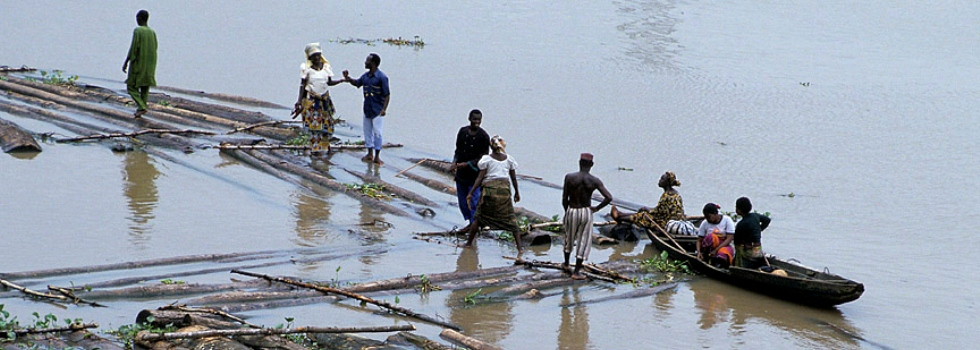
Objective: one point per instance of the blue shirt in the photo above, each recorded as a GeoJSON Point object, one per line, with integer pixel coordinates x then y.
{"type": "Point", "coordinates": [375, 87]}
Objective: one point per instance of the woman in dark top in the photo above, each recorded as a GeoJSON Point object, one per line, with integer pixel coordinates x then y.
{"type": "Point", "coordinates": [748, 234]}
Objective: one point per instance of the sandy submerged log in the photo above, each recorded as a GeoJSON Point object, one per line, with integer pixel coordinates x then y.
{"type": "Point", "coordinates": [467, 341]}
{"type": "Point", "coordinates": [13, 138]}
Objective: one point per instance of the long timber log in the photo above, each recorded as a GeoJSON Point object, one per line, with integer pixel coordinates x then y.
{"type": "Point", "coordinates": [384, 304]}
{"type": "Point", "coordinates": [326, 182]}
{"type": "Point", "coordinates": [15, 139]}
{"type": "Point", "coordinates": [223, 97]}
{"type": "Point", "coordinates": [186, 259]}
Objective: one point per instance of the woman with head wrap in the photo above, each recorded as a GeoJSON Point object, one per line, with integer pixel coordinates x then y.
{"type": "Point", "coordinates": [670, 207]}
{"type": "Point", "coordinates": [494, 208]}
{"type": "Point", "coordinates": [314, 102]}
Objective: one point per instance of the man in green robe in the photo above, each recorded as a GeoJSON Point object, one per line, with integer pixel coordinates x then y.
{"type": "Point", "coordinates": [143, 56]}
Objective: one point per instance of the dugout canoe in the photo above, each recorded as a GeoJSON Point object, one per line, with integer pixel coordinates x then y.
{"type": "Point", "coordinates": [802, 285]}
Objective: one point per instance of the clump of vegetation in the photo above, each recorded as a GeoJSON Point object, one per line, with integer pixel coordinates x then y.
{"type": "Point", "coordinates": [664, 264]}
{"type": "Point", "coordinates": [736, 217]}
{"type": "Point", "coordinates": [375, 191]}
{"type": "Point", "coordinates": [417, 42]}
{"type": "Point", "coordinates": [426, 286]}
{"type": "Point", "coordinates": [302, 140]}
{"type": "Point", "coordinates": [127, 333]}
{"type": "Point", "coordinates": [171, 281]}
{"type": "Point", "coordinates": [56, 78]}
{"type": "Point", "coordinates": [470, 299]}
{"type": "Point", "coordinates": [9, 324]}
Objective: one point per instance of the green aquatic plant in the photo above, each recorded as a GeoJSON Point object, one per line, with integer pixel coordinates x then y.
{"type": "Point", "coordinates": [56, 78]}
{"type": "Point", "coordinates": [426, 286]}
{"type": "Point", "coordinates": [171, 281]}
{"type": "Point", "coordinates": [470, 299]}
{"type": "Point", "coordinates": [375, 191]}
{"type": "Point", "coordinates": [664, 264]}
{"type": "Point", "coordinates": [127, 333]}
{"type": "Point", "coordinates": [302, 139]}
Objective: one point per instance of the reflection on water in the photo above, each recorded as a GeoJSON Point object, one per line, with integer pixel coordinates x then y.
{"type": "Point", "coordinates": [312, 216]}
{"type": "Point", "coordinates": [574, 330]}
{"type": "Point", "coordinates": [492, 322]}
{"type": "Point", "coordinates": [723, 305]}
{"type": "Point", "coordinates": [140, 189]}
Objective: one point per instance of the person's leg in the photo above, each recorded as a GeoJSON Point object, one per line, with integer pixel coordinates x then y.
{"type": "Point", "coordinates": [474, 228]}
{"type": "Point", "coordinates": [570, 238]}
{"type": "Point", "coordinates": [620, 216]}
{"type": "Point", "coordinates": [368, 138]}
{"type": "Point", "coordinates": [462, 190]}
{"type": "Point", "coordinates": [134, 92]}
{"type": "Point", "coordinates": [378, 141]}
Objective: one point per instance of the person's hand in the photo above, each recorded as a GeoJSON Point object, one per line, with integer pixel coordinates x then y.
{"type": "Point", "coordinates": [346, 75]}
{"type": "Point", "coordinates": [452, 169]}
{"type": "Point", "coordinates": [517, 197]}
{"type": "Point", "coordinates": [124, 67]}
{"type": "Point", "coordinates": [382, 113]}
{"type": "Point", "coordinates": [469, 201]}
{"type": "Point", "coordinates": [296, 109]}
{"type": "Point", "coordinates": [593, 209]}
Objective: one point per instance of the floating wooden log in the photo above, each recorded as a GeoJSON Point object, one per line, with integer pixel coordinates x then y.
{"type": "Point", "coordinates": [161, 290]}
{"type": "Point", "coordinates": [69, 328]}
{"type": "Point", "coordinates": [218, 110]}
{"type": "Point", "coordinates": [235, 297]}
{"type": "Point", "coordinates": [395, 190]}
{"type": "Point", "coordinates": [21, 69]}
{"type": "Point", "coordinates": [186, 259]}
{"type": "Point", "coordinates": [71, 295]}
{"type": "Point", "coordinates": [350, 342]}
{"type": "Point", "coordinates": [551, 224]}
{"type": "Point", "coordinates": [36, 294]}
{"type": "Point", "coordinates": [415, 341]}
{"type": "Point", "coordinates": [347, 146]}
{"type": "Point", "coordinates": [431, 183]}
{"type": "Point", "coordinates": [384, 304]}
{"type": "Point", "coordinates": [211, 343]}
{"type": "Point", "coordinates": [413, 281]}
{"type": "Point", "coordinates": [255, 162]}
{"type": "Point", "coordinates": [145, 336]}
{"type": "Point", "coordinates": [205, 311]}
{"type": "Point", "coordinates": [608, 275]}
{"type": "Point", "coordinates": [638, 293]}
{"type": "Point", "coordinates": [223, 97]}
{"type": "Point", "coordinates": [15, 139]}
{"type": "Point", "coordinates": [469, 342]}
{"type": "Point", "coordinates": [134, 134]}
{"type": "Point", "coordinates": [326, 182]}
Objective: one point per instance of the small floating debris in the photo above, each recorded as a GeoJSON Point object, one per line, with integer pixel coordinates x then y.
{"type": "Point", "coordinates": [624, 169]}
{"type": "Point", "coordinates": [417, 42]}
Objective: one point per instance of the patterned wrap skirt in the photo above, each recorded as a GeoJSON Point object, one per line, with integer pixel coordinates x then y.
{"type": "Point", "coordinates": [711, 241]}
{"type": "Point", "coordinates": [495, 208]}
{"type": "Point", "coordinates": [318, 117]}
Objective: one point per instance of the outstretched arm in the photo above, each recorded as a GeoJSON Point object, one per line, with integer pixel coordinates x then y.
{"type": "Point", "coordinates": [476, 184]}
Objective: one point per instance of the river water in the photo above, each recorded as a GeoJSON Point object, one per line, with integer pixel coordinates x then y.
{"type": "Point", "coordinates": [853, 124]}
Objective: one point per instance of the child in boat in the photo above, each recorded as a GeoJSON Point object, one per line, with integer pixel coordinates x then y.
{"type": "Point", "coordinates": [715, 237]}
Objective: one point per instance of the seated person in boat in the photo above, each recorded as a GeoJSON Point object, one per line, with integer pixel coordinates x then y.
{"type": "Point", "coordinates": [715, 236]}
{"type": "Point", "coordinates": [670, 207]}
{"type": "Point", "coordinates": [748, 234]}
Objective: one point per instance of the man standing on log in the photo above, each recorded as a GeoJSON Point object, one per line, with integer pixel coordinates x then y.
{"type": "Point", "coordinates": [472, 143]}
{"type": "Point", "coordinates": [374, 84]}
{"type": "Point", "coordinates": [143, 56]}
{"type": "Point", "coordinates": [576, 198]}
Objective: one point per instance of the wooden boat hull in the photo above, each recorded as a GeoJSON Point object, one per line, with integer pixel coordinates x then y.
{"type": "Point", "coordinates": [803, 285]}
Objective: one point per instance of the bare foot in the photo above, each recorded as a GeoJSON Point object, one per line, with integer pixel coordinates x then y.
{"type": "Point", "coordinates": [378, 161]}
{"type": "Point", "coordinates": [566, 268]}
{"type": "Point", "coordinates": [367, 158]}
{"type": "Point", "coordinates": [139, 113]}
{"type": "Point", "coordinates": [578, 277]}
{"type": "Point", "coordinates": [613, 212]}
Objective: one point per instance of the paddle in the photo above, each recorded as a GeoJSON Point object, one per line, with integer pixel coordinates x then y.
{"type": "Point", "coordinates": [669, 237]}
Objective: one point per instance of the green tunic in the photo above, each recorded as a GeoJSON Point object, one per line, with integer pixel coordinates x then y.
{"type": "Point", "coordinates": [142, 58]}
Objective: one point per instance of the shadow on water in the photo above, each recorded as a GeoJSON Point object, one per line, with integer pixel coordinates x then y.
{"type": "Point", "coordinates": [139, 186]}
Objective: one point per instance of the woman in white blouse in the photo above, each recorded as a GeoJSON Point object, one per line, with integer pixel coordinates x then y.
{"type": "Point", "coordinates": [495, 209]}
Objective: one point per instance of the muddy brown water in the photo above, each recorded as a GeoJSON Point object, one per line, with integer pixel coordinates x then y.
{"type": "Point", "coordinates": [853, 125]}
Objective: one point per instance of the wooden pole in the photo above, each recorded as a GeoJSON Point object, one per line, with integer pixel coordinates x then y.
{"type": "Point", "coordinates": [469, 342]}
{"type": "Point", "coordinates": [365, 299]}
{"type": "Point", "coordinates": [135, 133]}
{"type": "Point", "coordinates": [657, 226]}
{"type": "Point", "coordinates": [145, 336]}
{"type": "Point", "coordinates": [411, 167]}
{"type": "Point", "coordinates": [69, 328]}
